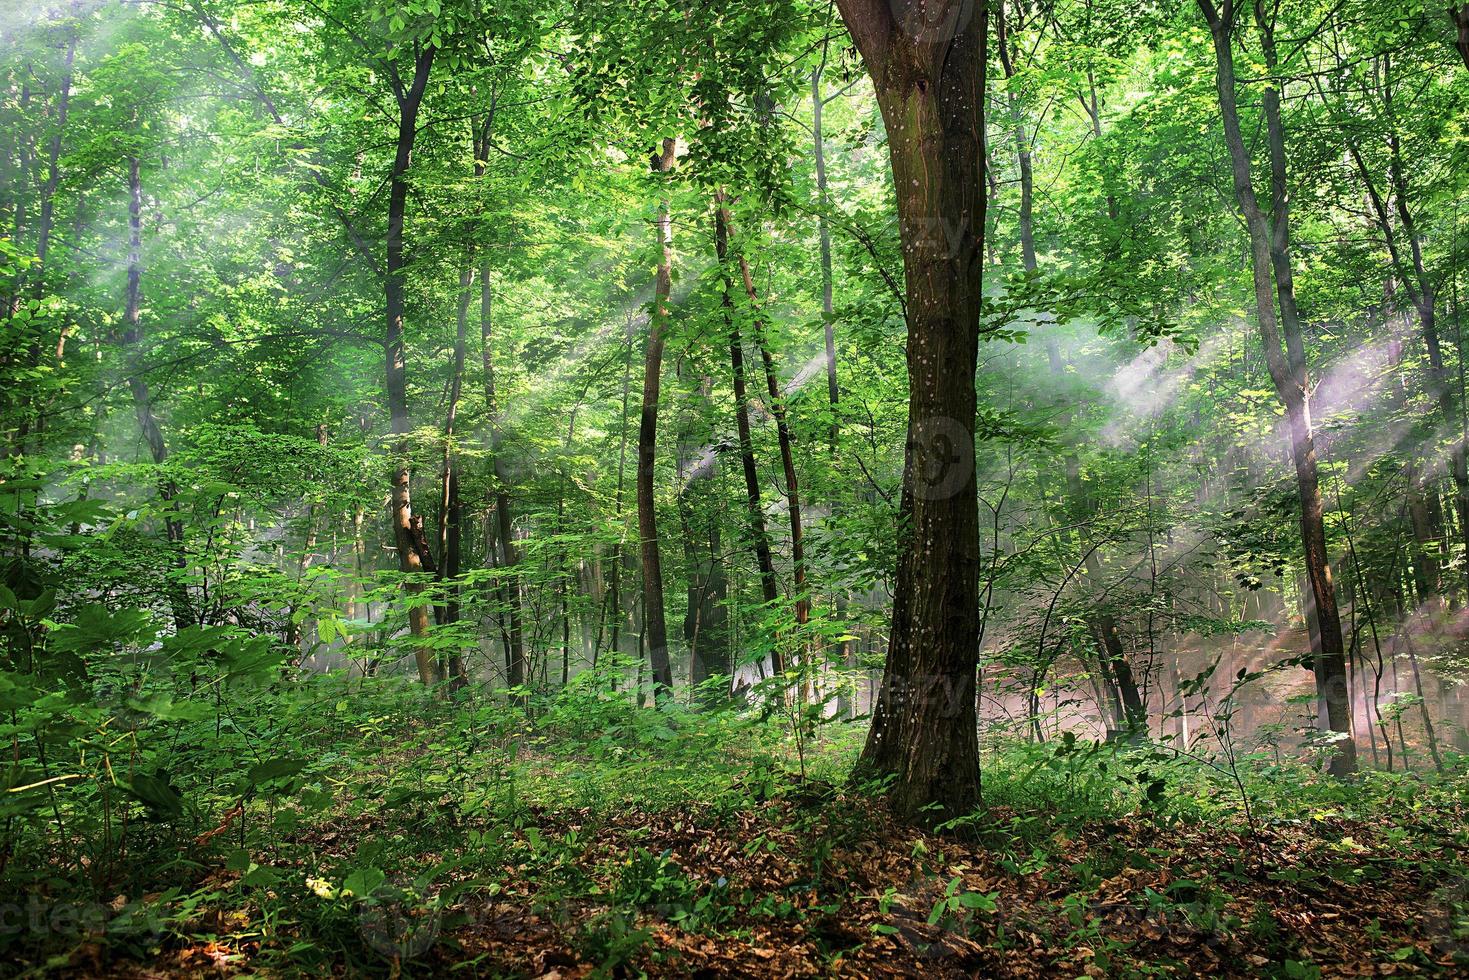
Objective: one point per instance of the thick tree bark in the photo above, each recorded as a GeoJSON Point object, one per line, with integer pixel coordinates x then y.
{"type": "Point", "coordinates": [927, 63]}
{"type": "Point", "coordinates": [406, 527]}
{"type": "Point", "coordinates": [655, 626]}
{"type": "Point", "coordinates": [760, 539]}
{"type": "Point", "coordinates": [1270, 252]}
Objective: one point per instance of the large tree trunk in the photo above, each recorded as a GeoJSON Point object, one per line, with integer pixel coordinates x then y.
{"type": "Point", "coordinates": [928, 67]}
{"type": "Point", "coordinates": [1270, 252]}
{"type": "Point", "coordinates": [655, 628]}
{"type": "Point", "coordinates": [406, 529]}
{"type": "Point", "coordinates": [760, 539]}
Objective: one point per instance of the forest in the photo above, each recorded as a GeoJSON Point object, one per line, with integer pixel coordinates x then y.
{"type": "Point", "coordinates": [769, 488]}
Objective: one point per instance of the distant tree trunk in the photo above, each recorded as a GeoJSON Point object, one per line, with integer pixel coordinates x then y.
{"type": "Point", "coordinates": [1428, 730]}
{"type": "Point", "coordinates": [1008, 51]}
{"type": "Point", "coordinates": [783, 439]}
{"type": "Point", "coordinates": [823, 232]}
{"type": "Point", "coordinates": [1118, 672]}
{"type": "Point", "coordinates": [295, 636]}
{"type": "Point", "coordinates": [23, 175]}
{"type": "Point", "coordinates": [1419, 285]}
{"type": "Point", "coordinates": [406, 527]}
{"type": "Point", "coordinates": [510, 593]}
{"type": "Point", "coordinates": [828, 317]}
{"type": "Point", "coordinates": [928, 70]}
{"type": "Point", "coordinates": [1425, 567]}
{"type": "Point", "coordinates": [655, 627]}
{"type": "Point", "coordinates": [132, 339]}
{"type": "Point", "coordinates": [760, 540]}
{"type": "Point", "coordinates": [1270, 251]}
{"type": "Point", "coordinates": [451, 511]}
{"type": "Point", "coordinates": [705, 625]}
{"type": "Point", "coordinates": [53, 167]}
{"type": "Point", "coordinates": [614, 586]}
{"type": "Point", "coordinates": [1459, 15]}
{"type": "Point", "coordinates": [566, 579]}
{"type": "Point", "coordinates": [132, 322]}
{"type": "Point", "coordinates": [359, 560]}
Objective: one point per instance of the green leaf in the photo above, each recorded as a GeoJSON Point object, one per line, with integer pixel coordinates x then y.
{"type": "Point", "coordinates": [274, 769]}
{"type": "Point", "coordinates": [363, 882]}
{"type": "Point", "coordinates": [156, 794]}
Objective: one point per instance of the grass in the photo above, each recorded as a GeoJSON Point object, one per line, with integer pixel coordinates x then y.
{"type": "Point", "coordinates": [391, 834]}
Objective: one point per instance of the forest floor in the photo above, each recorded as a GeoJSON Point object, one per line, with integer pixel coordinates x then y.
{"type": "Point", "coordinates": [671, 851]}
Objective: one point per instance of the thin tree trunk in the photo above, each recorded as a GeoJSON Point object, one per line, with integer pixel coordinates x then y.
{"type": "Point", "coordinates": [705, 625]}
{"type": "Point", "coordinates": [53, 166]}
{"type": "Point", "coordinates": [407, 529]}
{"type": "Point", "coordinates": [823, 232]}
{"type": "Point", "coordinates": [615, 585]}
{"type": "Point", "coordinates": [655, 628]}
{"type": "Point", "coordinates": [783, 438]}
{"type": "Point", "coordinates": [760, 540]}
{"type": "Point", "coordinates": [848, 655]}
{"type": "Point", "coordinates": [132, 340]}
{"type": "Point", "coordinates": [510, 592]}
{"type": "Point", "coordinates": [451, 511]}
{"type": "Point", "coordinates": [1270, 251]}
{"type": "Point", "coordinates": [1459, 16]}
{"type": "Point", "coordinates": [1423, 706]}
{"type": "Point", "coordinates": [359, 559]}
{"type": "Point", "coordinates": [1008, 52]}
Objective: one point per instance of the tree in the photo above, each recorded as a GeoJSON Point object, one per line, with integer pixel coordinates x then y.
{"type": "Point", "coordinates": [1270, 261]}
{"type": "Point", "coordinates": [655, 625]}
{"type": "Point", "coordinates": [407, 529]}
{"type": "Point", "coordinates": [928, 63]}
